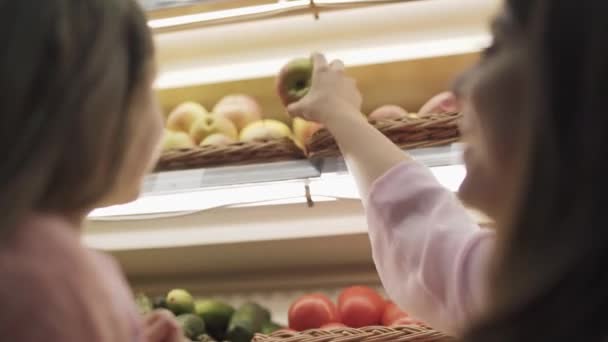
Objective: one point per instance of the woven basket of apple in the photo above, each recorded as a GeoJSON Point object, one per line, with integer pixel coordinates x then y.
{"type": "Point", "coordinates": [406, 130]}
{"type": "Point", "coordinates": [234, 132]}
{"type": "Point", "coordinates": [435, 124]}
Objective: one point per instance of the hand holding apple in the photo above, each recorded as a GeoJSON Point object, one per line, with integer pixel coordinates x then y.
{"type": "Point", "coordinates": [331, 94]}
{"type": "Point", "coordinates": [294, 80]}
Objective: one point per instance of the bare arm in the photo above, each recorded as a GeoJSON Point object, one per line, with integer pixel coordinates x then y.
{"type": "Point", "coordinates": [367, 152]}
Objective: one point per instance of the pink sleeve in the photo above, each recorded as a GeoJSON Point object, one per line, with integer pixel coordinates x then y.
{"type": "Point", "coordinates": [431, 256]}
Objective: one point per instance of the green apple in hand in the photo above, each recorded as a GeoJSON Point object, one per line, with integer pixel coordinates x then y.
{"type": "Point", "coordinates": [294, 80]}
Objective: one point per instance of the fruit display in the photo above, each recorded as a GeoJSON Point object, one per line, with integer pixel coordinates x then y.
{"type": "Point", "coordinates": [210, 319]}
{"type": "Point", "coordinates": [207, 319]}
{"type": "Point", "coordinates": [236, 131]}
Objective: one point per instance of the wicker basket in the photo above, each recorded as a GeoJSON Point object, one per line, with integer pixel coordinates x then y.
{"type": "Point", "coordinates": [407, 133]}
{"type": "Point", "coordinates": [368, 334]}
{"type": "Point", "coordinates": [231, 154]}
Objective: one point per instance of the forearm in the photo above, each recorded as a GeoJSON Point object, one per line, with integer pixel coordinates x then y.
{"type": "Point", "coordinates": [367, 152]}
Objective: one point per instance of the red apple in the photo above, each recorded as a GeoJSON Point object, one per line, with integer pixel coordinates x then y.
{"type": "Point", "coordinates": [294, 80]}
{"type": "Point", "coordinates": [238, 108]}
{"type": "Point", "coordinates": [388, 112]}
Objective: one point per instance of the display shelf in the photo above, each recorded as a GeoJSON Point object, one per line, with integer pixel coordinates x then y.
{"type": "Point", "coordinates": [391, 32]}
{"type": "Point", "coordinates": [189, 180]}
{"type": "Point", "coordinates": [178, 192]}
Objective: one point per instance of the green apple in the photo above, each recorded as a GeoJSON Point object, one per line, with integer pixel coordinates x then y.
{"type": "Point", "coordinates": [212, 124]}
{"type": "Point", "coordinates": [265, 130]}
{"type": "Point", "coordinates": [294, 80]}
{"type": "Point", "coordinates": [176, 140]}
{"type": "Point", "coordinates": [303, 130]}
{"type": "Point", "coordinates": [217, 139]}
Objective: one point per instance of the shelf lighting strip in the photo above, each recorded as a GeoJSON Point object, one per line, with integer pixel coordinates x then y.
{"type": "Point", "coordinates": [329, 187]}
{"type": "Point", "coordinates": [260, 11]}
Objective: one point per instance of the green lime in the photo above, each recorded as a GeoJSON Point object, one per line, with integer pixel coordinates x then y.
{"type": "Point", "coordinates": [180, 301]}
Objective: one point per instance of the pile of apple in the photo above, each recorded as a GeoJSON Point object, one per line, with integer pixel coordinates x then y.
{"type": "Point", "coordinates": [234, 118]}
{"type": "Point", "coordinates": [357, 306]}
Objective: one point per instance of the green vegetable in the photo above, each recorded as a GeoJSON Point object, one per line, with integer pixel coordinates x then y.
{"type": "Point", "coordinates": [270, 327]}
{"type": "Point", "coordinates": [246, 322]}
{"type": "Point", "coordinates": [192, 325]}
{"type": "Point", "coordinates": [180, 301]}
{"type": "Point", "coordinates": [216, 315]}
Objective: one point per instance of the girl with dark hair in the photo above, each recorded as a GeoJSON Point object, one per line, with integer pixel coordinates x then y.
{"type": "Point", "coordinates": [536, 129]}
{"type": "Point", "coordinates": [80, 127]}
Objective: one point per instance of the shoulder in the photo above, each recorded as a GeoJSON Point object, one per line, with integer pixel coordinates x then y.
{"type": "Point", "coordinates": [51, 281]}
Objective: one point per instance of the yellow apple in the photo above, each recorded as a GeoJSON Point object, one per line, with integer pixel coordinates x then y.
{"type": "Point", "coordinates": [217, 139]}
{"type": "Point", "coordinates": [303, 130]}
{"type": "Point", "coordinates": [183, 116]}
{"type": "Point", "coordinates": [240, 109]}
{"type": "Point", "coordinates": [265, 130]}
{"type": "Point", "coordinates": [388, 112]}
{"type": "Point", "coordinates": [210, 124]}
{"type": "Point", "coordinates": [176, 140]}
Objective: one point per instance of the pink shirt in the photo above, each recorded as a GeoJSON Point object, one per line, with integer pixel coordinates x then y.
{"type": "Point", "coordinates": [53, 289]}
{"type": "Point", "coordinates": [431, 256]}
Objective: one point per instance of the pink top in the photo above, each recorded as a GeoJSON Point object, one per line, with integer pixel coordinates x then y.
{"type": "Point", "coordinates": [431, 256]}
{"type": "Point", "coordinates": [53, 289]}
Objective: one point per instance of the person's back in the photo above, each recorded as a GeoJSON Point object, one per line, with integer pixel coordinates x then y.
{"type": "Point", "coordinates": [53, 289]}
{"type": "Point", "coordinates": [80, 127]}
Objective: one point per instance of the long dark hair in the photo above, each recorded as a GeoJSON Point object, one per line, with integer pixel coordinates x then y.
{"type": "Point", "coordinates": [550, 280]}
{"type": "Point", "coordinates": [69, 70]}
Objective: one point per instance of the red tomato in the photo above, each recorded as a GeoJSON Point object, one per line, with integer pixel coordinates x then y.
{"type": "Point", "coordinates": [392, 313]}
{"type": "Point", "coordinates": [334, 325]}
{"type": "Point", "coordinates": [312, 312]}
{"type": "Point", "coordinates": [360, 306]}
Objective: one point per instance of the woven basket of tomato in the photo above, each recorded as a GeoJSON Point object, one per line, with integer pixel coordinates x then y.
{"type": "Point", "coordinates": [361, 315]}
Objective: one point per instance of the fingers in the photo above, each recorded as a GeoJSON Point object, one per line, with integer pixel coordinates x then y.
{"type": "Point", "coordinates": [296, 109]}
{"type": "Point", "coordinates": [319, 62]}
{"type": "Point", "coordinates": [160, 326]}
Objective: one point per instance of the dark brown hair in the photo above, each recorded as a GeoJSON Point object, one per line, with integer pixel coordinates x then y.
{"type": "Point", "coordinates": [550, 281]}
{"type": "Point", "coordinates": [69, 70]}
